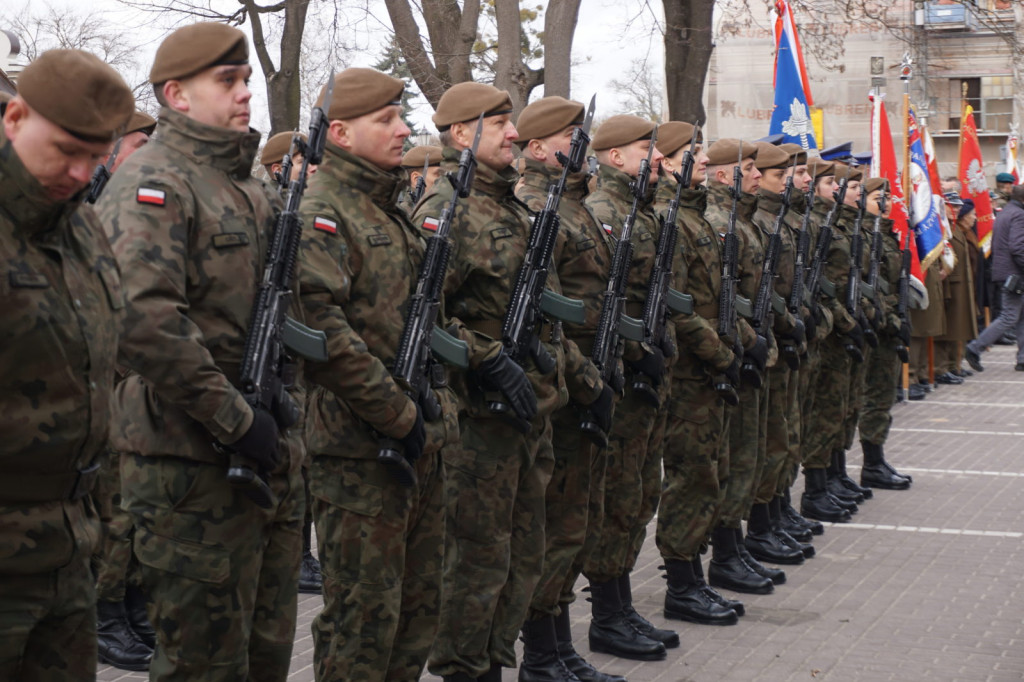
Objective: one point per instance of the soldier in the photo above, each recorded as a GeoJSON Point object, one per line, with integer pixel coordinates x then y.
{"type": "Point", "coordinates": [633, 477]}
{"type": "Point", "coordinates": [696, 446]}
{"type": "Point", "coordinates": [498, 474]}
{"type": "Point", "coordinates": [958, 298]}
{"type": "Point", "coordinates": [381, 543]}
{"type": "Point", "coordinates": [140, 129]}
{"type": "Point", "coordinates": [575, 495]}
{"type": "Point", "coordinates": [1004, 183]}
{"type": "Point", "coordinates": [189, 225]}
{"type": "Point", "coordinates": [272, 156]}
{"type": "Point", "coordinates": [62, 304]}
{"type": "Point", "coordinates": [413, 162]}
{"type": "Point", "coordinates": [883, 372]}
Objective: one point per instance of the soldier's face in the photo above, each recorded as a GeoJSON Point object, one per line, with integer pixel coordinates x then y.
{"type": "Point", "coordinates": [633, 153]}
{"type": "Point", "coordinates": [377, 137]}
{"type": "Point", "coordinates": [751, 176]}
{"type": "Point", "coordinates": [130, 143]}
{"type": "Point", "coordinates": [496, 138]}
{"type": "Point", "coordinates": [700, 166]}
{"type": "Point", "coordinates": [62, 163]}
{"type": "Point", "coordinates": [218, 96]}
{"type": "Point", "coordinates": [801, 178]}
{"type": "Point", "coordinates": [433, 173]}
{"type": "Point", "coordinates": [547, 149]}
{"type": "Point", "coordinates": [773, 180]}
{"type": "Point", "coordinates": [853, 190]}
{"type": "Point", "coordinates": [824, 187]}
{"type": "Point", "coordinates": [871, 202]}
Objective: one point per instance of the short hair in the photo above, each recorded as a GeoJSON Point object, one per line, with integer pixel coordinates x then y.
{"type": "Point", "coordinates": [445, 136]}
{"type": "Point", "coordinates": [1017, 193]}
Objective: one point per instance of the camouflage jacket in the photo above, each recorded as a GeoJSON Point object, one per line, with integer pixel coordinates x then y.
{"type": "Point", "coordinates": [582, 257]}
{"type": "Point", "coordinates": [837, 264]}
{"type": "Point", "coordinates": [768, 206]}
{"type": "Point", "coordinates": [489, 234]}
{"type": "Point", "coordinates": [62, 303]}
{"type": "Point", "coordinates": [889, 266]}
{"type": "Point", "coordinates": [360, 261]}
{"type": "Point", "coordinates": [700, 258]}
{"type": "Point", "coordinates": [190, 228]}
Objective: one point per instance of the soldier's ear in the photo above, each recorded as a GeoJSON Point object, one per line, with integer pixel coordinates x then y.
{"type": "Point", "coordinates": [337, 134]}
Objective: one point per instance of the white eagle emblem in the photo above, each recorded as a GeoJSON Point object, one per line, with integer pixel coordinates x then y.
{"type": "Point", "coordinates": [976, 178]}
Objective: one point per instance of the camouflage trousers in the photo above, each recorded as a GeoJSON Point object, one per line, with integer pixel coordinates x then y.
{"type": "Point", "coordinates": [113, 560]}
{"type": "Point", "coordinates": [222, 572]}
{"type": "Point", "coordinates": [794, 424]}
{"type": "Point", "coordinates": [48, 623]}
{"type": "Point", "coordinates": [855, 398]}
{"type": "Point", "coordinates": [748, 429]}
{"type": "Point", "coordinates": [781, 402]}
{"type": "Point", "coordinates": [696, 460]}
{"type": "Point", "coordinates": [494, 542]}
{"type": "Point", "coordinates": [824, 432]}
{"type": "Point", "coordinates": [651, 481]}
{"type": "Point", "coordinates": [381, 549]}
{"type": "Point", "coordinates": [879, 392]}
{"type": "Point", "coordinates": [631, 483]}
{"type": "Point", "coordinates": [574, 505]}
{"type": "Point", "coordinates": [810, 369]}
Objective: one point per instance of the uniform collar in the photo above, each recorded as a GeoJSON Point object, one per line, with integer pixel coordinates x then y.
{"type": "Point", "coordinates": [617, 184]}
{"type": "Point", "coordinates": [486, 179]}
{"type": "Point", "coordinates": [227, 150]}
{"type": "Point", "coordinates": [383, 187]}
{"type": "Point", "coordinates": [695, 198]}
{"type": "Point", "coordinates": [745, 206]}
{"type": "Point", "coordinates": [23, 199]}
{"type": "Point", "coordinates": [539, 176]}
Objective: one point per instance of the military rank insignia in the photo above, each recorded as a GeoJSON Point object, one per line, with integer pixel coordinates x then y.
{"type": "Point", "coordinates": [325, 224]}
{"type": "Point", "coordinates": [430, 224]}
{"type": "Point", "coordinates": [156, 197]}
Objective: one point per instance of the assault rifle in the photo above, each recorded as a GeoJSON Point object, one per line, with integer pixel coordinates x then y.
{"type": "Point", "coordinates": [421, 181]}
{"type": "Point", "coordinates": [267, 370]}
{"type": "Point", "coordinates": [873, 287]}
{"type": "Point", "coordinates": [803, 252]}
{"type": "Point", "coordinates": [530, 302]}
{"type": "Point", "coordinates": [283, 176]}
{"type": "Point", "coordinates": [414, 369]}
{"type": "Point", "coordinates": [817, 267]}
{"type": "Point", "coordinates": [730, 278]}
{"type": "Point", "coordinates": [101, 175]}
{"type": "Point", "coordinates": [903, 298]}
{"type": "Point", "coordinates": [853, 281]}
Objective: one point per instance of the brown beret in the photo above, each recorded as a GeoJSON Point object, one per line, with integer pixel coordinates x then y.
{"type": "Point", "coordinates": [819, 168]}
{"type": "Point", "coordinates": [79, 93]}
{"type": "Point", "coordinates": [727, 151]}
{"type": "Point", "coordinates": [795, 150]}
{"type": "Point", "coordinates": [546, 117]}
{"type": "Point", "coordinates": [276, 147]}
{"type": "Point", "coordinates": [193, 48]}
{"type": "Point", "coordinates": [621, 130]}
{"type": "Point", "coordinates": [843, 170]}
{"type": "Point", "coordinates": [771, 156]}
{"type": "Point", "coordinates": [415, 157]}
{"type": "Point", "coordinates": [874, 184]}
{"type": "Point", "coordinates": [141, 122]}
{"type": "Point", "coordinates": [675, 135]}
{"type": "Point", "coordinates": [359, 91]}
{"type": "Point", "coordinates": [466, 101]}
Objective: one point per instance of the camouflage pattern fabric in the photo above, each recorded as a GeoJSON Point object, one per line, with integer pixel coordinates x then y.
{"type": "Point", "coordinates": [62, 302]}
{"type": "Point", "coordinates": [113, 559]}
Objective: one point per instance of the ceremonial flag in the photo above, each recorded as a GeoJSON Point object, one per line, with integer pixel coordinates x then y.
{"type": "Point", "coordinates": [925, 207]}
{"type": "Point", "coordinates": [1011, 155]}
{"type": "Point", "coordinates": [948, 257]}
{"type": "Point", "coordinates": [973, 184]}
{"type": "Point", "coordinates": [790, 115]}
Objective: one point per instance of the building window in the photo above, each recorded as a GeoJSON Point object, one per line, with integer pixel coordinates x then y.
{"type": "Point", "coordinates": [991, 97]}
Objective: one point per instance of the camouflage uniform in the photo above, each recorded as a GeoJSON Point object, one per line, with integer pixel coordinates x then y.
{"type": "Point", "coordinates": [859, 369]}
{"type": "Point", "coordinates": [381, 544]}
{"type": "Point", "coordinates": [575, 495]}
{"type": "Point", "coordinates": [190, 225]}
{"type": "Point", "coordinates": [696, 449]}
{"type": "Point", "coordinates": [62, 301]}
{"type": "Point", "coordinates": [632, 485]}
{"type": "Point", "coordinates": [113, 558]}
{"type": "Point", "coordinates": [497, 476]}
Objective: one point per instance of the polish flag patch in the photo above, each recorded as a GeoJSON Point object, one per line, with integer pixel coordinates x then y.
{"type": "Point", "coordinates": [325, 225]}
{"type": "Point", "coordinates": [430, 224]}
{"type": "Point", "coordinates": [156, 197]}
{"type": "Point", "coordinates": [607, 227]}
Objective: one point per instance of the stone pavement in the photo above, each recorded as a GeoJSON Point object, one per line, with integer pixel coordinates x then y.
{"type": "Point", "coordinates": [924, 584]}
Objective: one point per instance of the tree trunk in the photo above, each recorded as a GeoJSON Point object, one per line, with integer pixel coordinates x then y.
{"type": "Point", "coordinates": [284, 96]}
{"type": "Point", "coordinates": [559, 28]}
{"type": "Point", "coordinates": [687, 54]}
{"type": "Point", "coordinates": [510, 72]}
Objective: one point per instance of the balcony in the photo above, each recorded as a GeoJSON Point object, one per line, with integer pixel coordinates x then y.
{"type": "Point", "coordinates": [945, 17]}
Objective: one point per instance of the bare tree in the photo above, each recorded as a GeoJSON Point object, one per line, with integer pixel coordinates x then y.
{"type": "Point", "coordinates": [642, 93]}
{"type": "Point", "coordinates": [688, 46]}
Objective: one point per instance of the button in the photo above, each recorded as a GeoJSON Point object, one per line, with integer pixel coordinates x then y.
{"type": "Point", "coordinates": [78, 303]}
{"type": "Point", "coordinates": [92, 385]}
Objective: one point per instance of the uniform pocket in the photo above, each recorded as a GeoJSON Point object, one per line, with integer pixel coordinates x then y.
{"type": "Point", "coordinates": [192, 560]}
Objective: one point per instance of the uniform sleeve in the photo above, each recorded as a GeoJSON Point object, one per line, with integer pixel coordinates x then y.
{"type": "Point", "coordinates": [700, 337]}
{"type": "Point", "coordinates": [352, 372]}
{"type": "Point", "coordinates": [159, 340]}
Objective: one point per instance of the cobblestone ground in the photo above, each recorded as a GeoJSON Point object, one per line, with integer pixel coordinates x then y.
{"type": "Point", "coordinates": [923, 585]}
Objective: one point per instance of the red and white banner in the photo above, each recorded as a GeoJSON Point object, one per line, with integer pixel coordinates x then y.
{"type": "Point", "coordinates": [973, 184]}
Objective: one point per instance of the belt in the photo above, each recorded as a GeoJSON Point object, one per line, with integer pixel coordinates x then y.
{"type": "Point", "coordinates": [65, 485]}
{"type": "Point", "coordinates": [492, 328]}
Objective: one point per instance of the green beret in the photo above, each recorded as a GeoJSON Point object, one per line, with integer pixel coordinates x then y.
{"type": "Point", "coordinates": [546, 117]}
{"type": "Point", "coordinates": [141, 122]}
{"type": "Point", "coordinates": [466, 101]}
{"type": "Point", "coordinates": [618, 131]}
{"type": "Point", "coordinates": [819, 168]}
{"type": "Point", "coordinates": [874, 184]}
{"type": "Point", "coordinates": [727, 151]}
{"type": "Point", "coordinates": [1005, 177]}
{"type": "Point", "coordinates": [770, 156]}
{"type": "Point", "coordinates": [193, 48]}
{"type": "Point", "coordinates": [359, 91]}
{"type": "Point", "coordinates": [78, 92]}
{"type": "Point", "coordinates": [276, 147]}
{"type": "Point", "coordinates": [675, 135]}
{"type": "Point", "coordinates": [415, 157]}
{"type": "Point", "coordinates": [843, 170]}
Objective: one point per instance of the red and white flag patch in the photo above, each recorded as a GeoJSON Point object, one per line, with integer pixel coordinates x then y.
{"type": "Point", "coordinates": [430, 224]}
{"type": "Point", "coordinates": [156, 197]}
{"type": "Point", "coordinates": [325, 224]}
{"type": "Point", "coordinates": [607, 227]}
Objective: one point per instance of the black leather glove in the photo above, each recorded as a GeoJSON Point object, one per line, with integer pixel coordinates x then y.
{"type": "Point", "coordinates": [905, 333]}
{"type": "Point", "coordinates": [758, 354]}
{"type": "Point", "coordinates": [799, 333]}
{"type": "Point", "coordinates": [412, 442]}
{"type": "Point", "coordinates": [810, 327]}
{"type": "Point", "coordinates": [869, 331]}
{"type": "Point", "coordinates": [259, 443]}
{"type": "Point", "coordinates": [854, 343]}
{"type": "Point", "coordinates": [501, 373]}
{"type": "Point", "coordinates": [652, 365]}
{"type": "Point", "coordinates": [602, 408]}
{"type": "Point", "coordinates": [732, 372]}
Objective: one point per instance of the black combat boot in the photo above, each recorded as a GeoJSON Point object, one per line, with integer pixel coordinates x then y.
{"type": "Point", "coordinates": [135, 608]}
{"type": "Point", "coordinates": [877, 473]}
{"type": "Point", "coordinates": [492, 675]}
{"type": "Point", "coordinates": [776, 519]}
{"type": "Point", "coordinates": [461, 677]}
{"type": "Point", "coordinates": [727, 568]}
{"type": "Point", "coordinates": [571, 658]}
{"type": "Point", "coordinates": [776, 575]}
{"type": "Point", "coordinates": [816, 503]}
{"type": "Point", "coordinates": [847, 498]}
{"type": "Point", "coordinates": [310, 579]}
{"type": "Point", "coordinates": [667, 637]}
{"type": "Point", "coordinates": [117, 643]}
{"type": "Point", "coordinates": [845, 479]}
{"type": "Point", "coordinates": [791, 516]}
{"type": "Point", "coordinates": [734, 604]}
{"type": "Point", "coordinates": [764, 544]}
{"type": "Point", "coordinates": [611, 633]}
{"type": "Point", "coordinates": [687, 600]}
{"type": "Point", "coordinates": [540, 654]}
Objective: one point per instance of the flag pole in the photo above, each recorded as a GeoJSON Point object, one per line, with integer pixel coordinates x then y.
{"type": "Point", "coordinates": [905, 73]}
{"type": "Point", "coordinates": [963, 118]}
